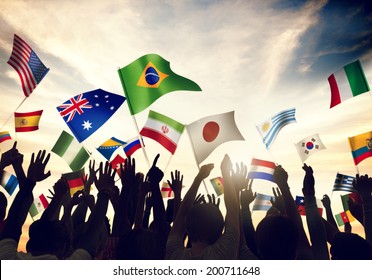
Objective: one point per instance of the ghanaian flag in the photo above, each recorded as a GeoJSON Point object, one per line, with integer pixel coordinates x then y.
{"type": "Point", "coordinates": [25, 122]}
{"type": "Point", "coordinates": [148, 78]}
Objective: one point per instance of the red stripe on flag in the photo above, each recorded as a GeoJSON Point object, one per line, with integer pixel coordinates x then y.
{"type": "Point", "coordinates": [30, 114]}
{"type": "Point", "coordinates": [362, 157]}
{"type": "Point", "coordinates": [44, 201]}
{"type": "Point", "coordinates": [155, 135]}
{"type": "Point", "coordinates": [335, 93]}
{"type": "Point", "coordinates": [26, 129]}
{"type": "Point", "coordinates": [75, 183]}
{"type": "Point", "coordinates": [265, 163]}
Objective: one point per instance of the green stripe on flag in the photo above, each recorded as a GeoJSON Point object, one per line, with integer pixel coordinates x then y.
{"type": "Point", "coordinates": [62, 144]}
{"type": "Point", "coordinates": [339, 220]}
{"type": "Point", "coordinates": [33, 210]}
{"type": "Point", "coordinates": [166, 120]}
{"type": "Point", "coordinates": [80, 159]}
{"type": "Point", "coordinates": [357, 80]}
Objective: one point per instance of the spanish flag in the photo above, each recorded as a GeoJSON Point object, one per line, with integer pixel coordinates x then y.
{"type": "Point", "coordinates": [25, 122]}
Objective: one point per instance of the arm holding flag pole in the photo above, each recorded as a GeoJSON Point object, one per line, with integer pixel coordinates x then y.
{"type": "Point", "coordinates": [179, 224]}
{"type": "Point", "coordinates": [281, 179]}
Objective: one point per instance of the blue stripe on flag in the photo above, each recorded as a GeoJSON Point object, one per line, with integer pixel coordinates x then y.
{"type": "Point", "coordinates": [11, 185]}
{"type": "Point", "coordinates": [261, 175]}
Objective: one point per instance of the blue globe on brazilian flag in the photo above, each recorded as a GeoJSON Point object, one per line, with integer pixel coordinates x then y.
{"type": "Point", "coordinates": [148, 78]}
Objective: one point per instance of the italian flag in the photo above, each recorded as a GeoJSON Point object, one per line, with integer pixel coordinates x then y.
{"type": "Point", "coordinates": [68, 148]}
{"type": "Point", "coordinates": [163, 129]}
{"type": "Point", "coordinates": [348, 82]}
{"type": "Point", "coordinates": [40, 204]}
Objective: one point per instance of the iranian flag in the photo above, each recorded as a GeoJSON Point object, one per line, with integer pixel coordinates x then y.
{"type": "Point", "coordinates": [163, 129]}
{"type": "Point", "coordinates": [39, 205]}
{"type": "Point", "coordinates": [348, 82]}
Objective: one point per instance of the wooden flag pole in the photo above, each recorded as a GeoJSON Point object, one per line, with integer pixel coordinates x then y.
{"type": "Point", "coordinates": [197, 164]}
{"type": "Point", "coordinates": [133, 118]}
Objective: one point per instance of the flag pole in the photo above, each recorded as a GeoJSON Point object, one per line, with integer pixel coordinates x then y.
{"type": "Point", "coordinates": [276, 163]}
{"type": "Point", "coordinates": [19, 105]}
{"type": "Point", "coordinates": [197, 164]}
{"type": "Point", "coordinates": [133, 118]}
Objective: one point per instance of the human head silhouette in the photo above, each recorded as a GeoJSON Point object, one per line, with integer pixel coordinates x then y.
{"type": "Point", "coordinates": [350, 246]}
{"type": "Point", "coordinates": [139, 244]}
{"type": "Point", "coordinates": [277, 238]}
{"type": "Point", "coordinates": [204, 223]}
{"type": "Point", "coordinates": [48, 237]}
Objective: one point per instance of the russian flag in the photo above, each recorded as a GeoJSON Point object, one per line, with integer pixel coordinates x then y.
{"type": "Point", "coordinates": [262, 169]}
{"type": "Point", "coordinates": [132, 145]}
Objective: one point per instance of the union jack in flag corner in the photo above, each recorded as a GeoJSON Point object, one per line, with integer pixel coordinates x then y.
{"type": "Point", "coordinates": [85, 113]}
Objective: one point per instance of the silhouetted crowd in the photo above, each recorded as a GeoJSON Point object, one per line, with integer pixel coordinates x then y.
{"type": "Point", "coordinates": [189, 227]}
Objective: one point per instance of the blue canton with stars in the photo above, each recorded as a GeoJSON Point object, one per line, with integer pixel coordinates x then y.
{"type": "Point", "coordinates": [87, 112]}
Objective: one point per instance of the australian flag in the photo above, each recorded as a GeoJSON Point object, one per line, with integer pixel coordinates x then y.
{"type": "Point", "coordinates": [87, 112]}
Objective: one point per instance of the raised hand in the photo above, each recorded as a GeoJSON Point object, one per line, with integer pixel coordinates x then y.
{"type": "Point", "coordinates": [212, 199]}
{"type": "Point", "coordinates": [247, 196]}
{"type": "Point", "coordinates": [226, 166]}
{"type": "Point", "coordinates": [205, 170]}
{"type": "Point", "coordinates": [105, 181]}
{"type": "Point", "coordinates": [281, 177]}
{"type": "Point", "coordinates": [240, 177]}
{"type": "Point", "coordinates": [278, 201]}
{"type": "Point", "coordinates": [363, 185]}
{"type": "Point", "coordinates": [9, 156]}
{"type": "Point", "coordinates": [326, 201]}
{"type": "Point", "coordinates": [199, 199]}
{"type": "Point", "coordinates": [176, 184]}
{"type": "Point", "coordinates": [36, 169]}
{"type": "Point", "coordinates": [128, 172]}
{"type": "Point", "coordinates": [155, 175]}
{"type": "Point", "coordinates": [91, 177]}
{"type": "Point", "coordinates": [309, 181]}
{"type": "Point", "coordinates": [60, 188]}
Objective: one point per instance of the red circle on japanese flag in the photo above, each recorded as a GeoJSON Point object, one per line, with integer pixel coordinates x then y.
{"type": "Point", "coordinates": [210, 131]}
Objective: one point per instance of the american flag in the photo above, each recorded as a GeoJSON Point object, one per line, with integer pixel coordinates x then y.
{"type": "Point", "coordinates": [27, 64]}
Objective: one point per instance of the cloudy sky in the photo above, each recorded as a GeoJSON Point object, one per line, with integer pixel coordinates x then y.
{"type": "Point", "coordinates": [253, 57]}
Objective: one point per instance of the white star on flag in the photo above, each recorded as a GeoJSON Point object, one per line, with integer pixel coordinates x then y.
{"type": "Point", "coordinates": [87, 125]}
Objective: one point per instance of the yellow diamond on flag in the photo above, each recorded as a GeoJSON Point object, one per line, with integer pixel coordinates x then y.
{"type": "Point", "coordinates": [151, 77]}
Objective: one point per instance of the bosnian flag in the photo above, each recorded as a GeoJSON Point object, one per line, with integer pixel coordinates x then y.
{"type": "Point", "coordinates": [163, 129]}
{"type": "Point", "coordinates": [347, 82]}
{"type": "Point", "coordinates": [261, 169]}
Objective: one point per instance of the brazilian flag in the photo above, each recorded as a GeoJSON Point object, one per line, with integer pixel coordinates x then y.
{"type": "Point", "coordinates": [148, 78]}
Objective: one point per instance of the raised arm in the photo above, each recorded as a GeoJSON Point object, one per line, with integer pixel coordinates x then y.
{"type": "Point", "coordinates": [24, 198]}
{"type": "Point", "coordinates": [327, 205]}
{"type": "Point", "coordinates": [281, 179]}
{"type": "Point", "coordinates": [179, 224]}
{"type": "Point", "coordinates": [315, 224]}
{"type": "Point", "coordinates": [363, 185]}
{"type": "Point", "coordinates": [128, 180]}
{"type": "Point", "coordinates": [105, 184]}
